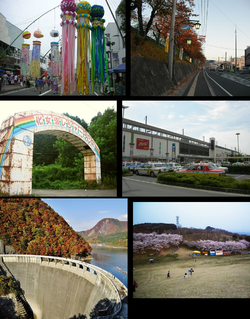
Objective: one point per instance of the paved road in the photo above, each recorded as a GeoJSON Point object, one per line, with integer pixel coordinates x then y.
{"type": "Point", "coordinates": [214, 83]}
{"type": "Point", "coordinates": [74, 193]}
{"type": "Point", "coordinates": [18, 91]}
{"type": "Point", "coordinates": [146, 186]}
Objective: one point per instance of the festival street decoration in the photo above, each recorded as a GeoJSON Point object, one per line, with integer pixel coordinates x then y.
{"type": "Point", "coordinates": [25, 58]}
{"type": "Point", "coordinates": [68, 23]}
{"type": "Point", "coordinates": [55, 58]}
{"type": "Point", "coordinates": [83, 47]}
{"type": "Point", "coordinates": [99, 63]}
{"type": "Point", "coordinates": [34, 70]}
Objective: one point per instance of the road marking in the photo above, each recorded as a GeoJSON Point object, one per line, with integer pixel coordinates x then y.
{"type": "Point", "coordinates": [193, 87]}
{"type": "Point", "coordinates": [219, 85]}
{"type": "Point", "coordinates": [49, 91]}
{"type": "Point", "coordinates": [208, 84]}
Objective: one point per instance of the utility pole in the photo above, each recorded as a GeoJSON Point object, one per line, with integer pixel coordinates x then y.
{"type": "Point", "coordinates": [171, 41]}
{"type": "Point", "coordinates": [235, 48]}
{"type": "Point", "coordinates": [177, 221]}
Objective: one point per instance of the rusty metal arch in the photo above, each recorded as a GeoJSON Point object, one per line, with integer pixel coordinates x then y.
{"type": "Point", "coordinates": [16, 147]}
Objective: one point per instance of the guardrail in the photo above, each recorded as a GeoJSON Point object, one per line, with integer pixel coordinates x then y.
{"type": "Point", "coordinates": [72, 263]}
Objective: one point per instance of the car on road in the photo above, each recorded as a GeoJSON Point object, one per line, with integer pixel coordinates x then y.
{"type": "Point", "coordinates": [152, 169]}
{"type": "Point", "coordinates": [202, 169]}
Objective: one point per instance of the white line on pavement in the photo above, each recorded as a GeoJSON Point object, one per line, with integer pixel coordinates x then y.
{"type": "Point", "coordinates": [219, 85]}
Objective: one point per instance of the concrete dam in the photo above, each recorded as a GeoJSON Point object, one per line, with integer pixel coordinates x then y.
{"type": "Point", "coordinates": [61, 288]}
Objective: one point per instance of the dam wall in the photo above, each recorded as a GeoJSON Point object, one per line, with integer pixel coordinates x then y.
{"type": "Point", "coordinates": [61, 288]}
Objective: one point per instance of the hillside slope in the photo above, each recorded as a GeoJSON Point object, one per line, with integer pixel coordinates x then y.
{"type": "Point", "coordinates": [33, 227]}
{"type": "Point", "coordinates": [108, 231]}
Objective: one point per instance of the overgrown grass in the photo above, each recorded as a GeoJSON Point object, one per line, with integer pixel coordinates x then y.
{"type": "Point", "coordinates": [57, 177]}
{"type": "Point", "coordinates": [213, 277]}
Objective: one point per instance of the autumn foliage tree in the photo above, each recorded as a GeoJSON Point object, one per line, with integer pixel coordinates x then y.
{"type": "Point", "coordinates": [33, 227]}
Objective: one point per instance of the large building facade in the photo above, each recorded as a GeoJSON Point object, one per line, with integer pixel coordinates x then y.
{"type": "Point", "coordinates": [142, 142]}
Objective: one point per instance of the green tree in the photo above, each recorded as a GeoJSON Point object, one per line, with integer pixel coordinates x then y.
{"type": "Point", "coordinates": [43, 152]}
{"type": "Point", "coordinates": [66, 151]}
{"type": "Point", "coordinates": [103, 129]}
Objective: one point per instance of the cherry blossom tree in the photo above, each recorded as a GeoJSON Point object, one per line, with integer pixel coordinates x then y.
{"type": "Point", "coordinates": [154, 241]}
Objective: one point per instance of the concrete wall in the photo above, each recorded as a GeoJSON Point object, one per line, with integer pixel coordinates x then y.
{"type": "Point", "coordinates": [151, 78]}
{"type": "Point", "coordinates": [58, 290]}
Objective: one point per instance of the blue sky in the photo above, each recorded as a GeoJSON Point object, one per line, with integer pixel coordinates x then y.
{"type": "Point", "coordinates": [219, 119]}
{"type": "Point", "coordinates": [83, 214]}
{"type": "Point", "coordinates": [218, 19]}
{"type": "Point", "coordinates": [219, 27]}
{"type": "Point", "coordinates": [229, 216]}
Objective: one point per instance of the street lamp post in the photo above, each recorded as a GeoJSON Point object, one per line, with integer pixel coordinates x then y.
{"type": "Point", "coordinates": [237, 134]}
{"type": "Point", "coordinates": [189, 41]}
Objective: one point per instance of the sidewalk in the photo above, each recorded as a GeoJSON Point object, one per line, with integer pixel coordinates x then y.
{"type": "Point", "coordinates": [238, 77]}
{"type": "Point", "coordinates": [74, 193]}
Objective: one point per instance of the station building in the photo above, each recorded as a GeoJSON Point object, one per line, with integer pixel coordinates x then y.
{"type": "Point", "coordinates": [143, 143]}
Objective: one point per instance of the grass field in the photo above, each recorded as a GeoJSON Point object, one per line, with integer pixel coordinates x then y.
{"type": "Point", "coordinates": [213, 276]}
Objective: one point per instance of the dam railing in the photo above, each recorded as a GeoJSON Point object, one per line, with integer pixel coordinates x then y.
{"type": "Point", "coordinates": [73, 266]}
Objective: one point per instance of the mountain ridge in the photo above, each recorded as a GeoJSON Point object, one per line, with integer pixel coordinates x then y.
{"type": "Point", "coordinates": [108, 231]}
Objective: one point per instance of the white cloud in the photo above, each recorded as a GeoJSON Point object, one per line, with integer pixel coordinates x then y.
{"type": "Point", "coordinates": [103, 212]}
{"type": "Point", "coordinates": [123, 217]}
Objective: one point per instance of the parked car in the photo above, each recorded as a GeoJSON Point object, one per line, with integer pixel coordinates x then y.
{"type": "Point", "coordinates": [169, 167]}
{"type": "Point", "coordinates": [176, 166]}
{"type": "Point", "coordinates": [220, 167]}
{"type": "Point", "coordinates": [129, 166]}
{"type": "Point", "coordinates": [202, 169]}
{"type": "Point", "coordinates": [151, 169]}
{"type": "Point", "coordinates": [238, 163]}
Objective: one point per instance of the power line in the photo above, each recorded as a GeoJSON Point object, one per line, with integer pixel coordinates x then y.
{"type": "Point", "coordinates": [229, 19]}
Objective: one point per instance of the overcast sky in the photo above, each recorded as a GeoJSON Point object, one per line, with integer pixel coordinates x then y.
{"type": "Point", "coordinates": [83, 214]}
{"type": "Point", "coordinates": [218, 19]}
{"type": "Point", "coordinates": [229, 216]}
{"type": "Point", "coordinates": [219, 119]}
{"type": "Point", "coordinates": [22, 13]}
{"type": "Point", "coordinates": [85, 110]}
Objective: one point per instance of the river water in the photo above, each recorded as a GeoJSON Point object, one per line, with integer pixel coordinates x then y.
{"type": "Point", "coordinates": [107, 258]}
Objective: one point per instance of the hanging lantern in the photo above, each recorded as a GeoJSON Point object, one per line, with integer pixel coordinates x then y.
{"type": "Point", "coordinates": [38, 34]}
{"type": "Point", "coordinates": [54, 33]}
{"type": "Point", "coordinates": [189, 41]}
{"type": "Point", "coordinates": [26, 35]}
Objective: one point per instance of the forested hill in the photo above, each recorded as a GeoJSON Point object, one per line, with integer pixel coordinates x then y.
{"type": "Point", "coordinates": [153, 227]}
{"type": "Point", "coordinates": [33, 227]}
{"type": "Point", "coordinates": [108, 232]}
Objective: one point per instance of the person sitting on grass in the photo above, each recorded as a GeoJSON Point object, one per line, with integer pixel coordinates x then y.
{"type": "Point", "coordinates": [185, 276]}
{"type": "Point", "coordinates": [168, 275]}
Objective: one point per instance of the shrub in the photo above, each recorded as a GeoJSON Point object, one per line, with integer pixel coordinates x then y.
{"type": "Point", "coordinates": [204, 180]}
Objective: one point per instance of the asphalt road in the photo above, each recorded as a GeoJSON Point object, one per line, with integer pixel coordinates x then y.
{"type": "Point", "coordinates": [33, 92]}
{"type": "Point", "coordinates": [146, 186]}
{"type": "Point", "coordinates": [214, 83]}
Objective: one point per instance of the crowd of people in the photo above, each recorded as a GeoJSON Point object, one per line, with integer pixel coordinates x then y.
{"type": "Point", "coordinates": [8, 78]}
